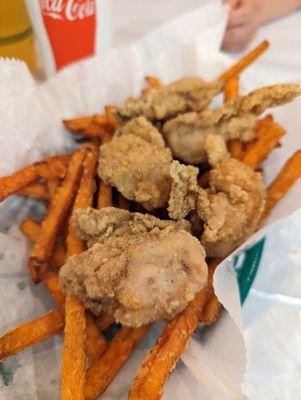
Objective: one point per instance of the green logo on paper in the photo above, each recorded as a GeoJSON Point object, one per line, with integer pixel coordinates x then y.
{"type": "Point", "coordinates": [246, 266]}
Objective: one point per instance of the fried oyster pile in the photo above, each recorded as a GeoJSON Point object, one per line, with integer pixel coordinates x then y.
{"type": "Point", "coordinates": [141, 268]}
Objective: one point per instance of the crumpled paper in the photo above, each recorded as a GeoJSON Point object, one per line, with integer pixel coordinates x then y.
{"type": "Point", "coordinates": [30, 125]}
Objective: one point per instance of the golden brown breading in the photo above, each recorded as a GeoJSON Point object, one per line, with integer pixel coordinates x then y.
{"type": "Point", "coordinates": [141, 270]}
{"type": "Point", "coordinates": [187, 94]}
{"type": "Point", "coordinates": [186, 134]}
{"type": "Point", "coordinates": [137, 164]}
{"type": "Point", "coordinates": [95, 226]}
{"type": "Point", "coordinates": [232, 206]}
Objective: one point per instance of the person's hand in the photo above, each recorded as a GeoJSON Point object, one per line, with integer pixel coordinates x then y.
{"type": "Point", "coordinates": [244, 20]}
{"type": "Point", "coordinates": [246, 16]}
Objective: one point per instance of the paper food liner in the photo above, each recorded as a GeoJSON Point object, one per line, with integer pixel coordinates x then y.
{"type": "Point", "coordinates": [31, 125]}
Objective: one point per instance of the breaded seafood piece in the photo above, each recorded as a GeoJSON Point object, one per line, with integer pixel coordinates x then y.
{"type": "Point", "coordinates": [95, 226]}
{"type": "Point", "coordinates": [137, 164]}
{"type": "Point", "coordinates": [186, 94]}
{"type": "Point", "coordinates": [186, 134]}
{"type": "Point", "coordinates": [140, 278]}
{"type": "Point", "coordinates": [230, 209]}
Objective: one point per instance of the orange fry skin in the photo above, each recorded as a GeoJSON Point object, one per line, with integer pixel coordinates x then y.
{"type": "Point", "coordinates": [104, 320]}
{"type": "Point", "coordinates": [102, 372]}
{"type": "Point", "coordinates": [231, 88]}
{"type": "Point", "coordinates": [154, 82]}
{"type": "Point", "coordinates": [158, 363]}
{"type": "Point", "coordinates": [244, 62]}
{"type": "Point", "coordinates": [37, 191]}
{"type": "Point", "coordinates": [74, 359]}
{"type": "Point", "coordinates": [43, 247]}
{"type": "Point", "coordinates": [31, 333]}
{"type": "Point", "coordinates": [289, 174]}
{"type": "Point", "coordinates": [268, 139]}
{"type": "Point", "coordinates": [211, 311]}
{"type": "Point", "coordinates": [17, 181]}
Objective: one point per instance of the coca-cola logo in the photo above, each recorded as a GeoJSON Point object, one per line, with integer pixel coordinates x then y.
{"type": "Point", "coordinates": [68, 9]}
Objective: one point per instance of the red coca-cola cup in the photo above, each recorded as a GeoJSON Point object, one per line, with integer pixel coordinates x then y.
{"type": "Point", "coordinates": [69, 30]}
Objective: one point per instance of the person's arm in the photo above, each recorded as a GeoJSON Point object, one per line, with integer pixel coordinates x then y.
{"type": "Point", "coordinates": [246, 16]}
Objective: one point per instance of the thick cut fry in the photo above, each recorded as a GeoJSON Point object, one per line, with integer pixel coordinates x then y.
{"type": "Point", "coordinates": [53, 185]}
{"type": "Point", "coordinates": [58, 209]}
{"type": "Point", "coordinates": [104, 196]}
{"type": "Point", "coordinates": [104, 320]}
{"type": "Point", "coordinates": [95, 343]}
{"type": "Point", "coordinates": [242, 64]}
{"type": "Point", "coordinates": [37, 191]}
{"type": "Point", "coordinates": [73, 360]}
{"type": "Point", "coordinates": [32, 230]}
{"type": "Point", "coordinates": [28, 334]}
{"type": "Point", "coordinates": [110, 114]}
{"type": "Point", "coordinates": [158, 363]}
{"type": "Point", "coordinates": [231, 89]}
{"type": "Point", "coordinates": [267, 140]}
{"type": "Point", "coordinates": [78, 124]}
{"type": "Point", "coordinates": [49, 166]}
{"type": "Point", "coordinates": [52, 283]}
{"type": "Point", "coordinates": [123, 202]}
{"type": "Point", "coordinates": [211, 311]}
{"type": "Point", "coordinates": [17, 181]}
{"type": "Point", "coordinates": [290, 172]}
{"type": "Point", "coordinates": [153, 82]}
{"type": "Point", "coordinates": [105, 368]}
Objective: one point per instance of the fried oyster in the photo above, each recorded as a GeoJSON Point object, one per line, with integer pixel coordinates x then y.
{"type": "Point", "coordinates": [186, 94]}
{"type": "Point", "coordinates": [186, 134]}
{"type": "Point", "coordinates": [137, 163]}
{"type": "Point", "coordinates": [139, 268]}
{"type": "Point", "coordinates": [232, 206]}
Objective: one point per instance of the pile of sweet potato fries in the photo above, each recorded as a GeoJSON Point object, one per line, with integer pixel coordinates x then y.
{"type": "Point", "coordinates": [67, 182]}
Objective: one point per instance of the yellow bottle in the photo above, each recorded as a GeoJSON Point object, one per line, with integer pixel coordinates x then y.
{"type": "Point", "coordinates": [16, 34]}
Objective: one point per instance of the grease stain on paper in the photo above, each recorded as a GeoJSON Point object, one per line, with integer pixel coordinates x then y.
{"type": "Point", "coordinates": [7, 371]}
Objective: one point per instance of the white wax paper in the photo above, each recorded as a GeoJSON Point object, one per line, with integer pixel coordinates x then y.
{"type": "Point", "coordinates": [30, 125]}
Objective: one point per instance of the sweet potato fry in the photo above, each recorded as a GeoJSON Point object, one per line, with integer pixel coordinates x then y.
{"type": "Point", "coordinates": [17, 181]}
{"type": "Point", "coordinates": [154, 82]}
{"type": "Point", "coordinates": [235, 148]}
{"type": "Point", "coordinates": [53, 185]}
{"type": "Point", "coordinates": [95, 343]}
{"type": "Point", "coordinates": [231, 88]}
{"type": "Point", "coordinates": [32, 332]}
{"type": "Point", "coordinates": [51, 281]}
{"type": "Point", "coordinates": [53, 167]}
{"type": "Point", "coordinates": [110, 114]}
{"type": "Point", "coordinates": [37, 191]}
{"type": "Point", "coordinates": [242, 64]}
{"type": "Point", "coordinates": [267, 140]}
{"type": "Point", "coordinates": [31, 229]}
{"type": "Point", "coordinates": [103, 321]}
{"type": "Point", "coordinates": [290, 172]}
{"type": "Point", "coordinates": [43, 247]}
{"type": "Point", "coordinates": [73, 360]}
{"type": "Point", "coordinates": [158, 363]}
{"type": "Point", "coordinates": [78, 124]}
{"type": "Point", "coordinates": [123, 202]}
{"type": "Point", "coordinates": [102, 372]}
{"type": "Point", "coordinates": [211, 311]}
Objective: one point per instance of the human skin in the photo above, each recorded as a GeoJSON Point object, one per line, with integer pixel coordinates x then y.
{"type": "Point", "coordinates": [246, 17]}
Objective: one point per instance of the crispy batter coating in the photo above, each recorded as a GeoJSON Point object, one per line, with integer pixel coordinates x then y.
{"type": "Point", "coordinates": [232, 206]}
{"type": "Point", "coordinates": [142, 270]}
{"type": "Point", "coordinates": [137, 164]}
{"type": "Point", "coordinates": [186, 134]}
{"type": "Point", "coordinates": [95, 226]}
{"type": "Point", "coordinates": [187, 94]}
